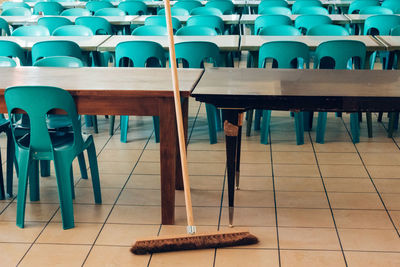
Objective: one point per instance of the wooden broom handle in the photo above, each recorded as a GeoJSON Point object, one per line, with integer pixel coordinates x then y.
{"type": "Point", "coordinates": [178, 112]}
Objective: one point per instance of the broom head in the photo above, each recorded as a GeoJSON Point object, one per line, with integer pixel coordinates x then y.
{"type": "Point", "coordinates": [195, 241]}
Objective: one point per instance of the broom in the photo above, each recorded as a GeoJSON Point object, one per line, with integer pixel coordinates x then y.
{"type": "Point", "coordinates": [191, 240]}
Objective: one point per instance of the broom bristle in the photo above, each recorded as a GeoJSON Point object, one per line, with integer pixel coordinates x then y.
{"type": "Point", "coordinates": [189, 242]}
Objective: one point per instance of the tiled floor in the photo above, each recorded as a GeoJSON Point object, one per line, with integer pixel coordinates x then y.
{"type": "Point", "coordinates": [332, 204]}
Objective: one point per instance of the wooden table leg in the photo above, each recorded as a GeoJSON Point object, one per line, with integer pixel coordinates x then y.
{"type": "Point", "coordinates": [178, 177]}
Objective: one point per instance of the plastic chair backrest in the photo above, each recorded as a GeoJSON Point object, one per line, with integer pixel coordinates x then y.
{"type": "Point", "coordinates": [267, 4]}
{"type": "Point", "coordinates": [226, 7]}
{"type": "Point", "coordinates": [394, 5]}
{"type": "Point", "coordinates": [188, 5]}
{"type": "Point", "coordinates": [4, 27]}
{"type": "Point", "coordinates": [395, 31]}
{"type": "Point", "coordinates": [37, 101]}
{"type": "Point", "coordinates": [55, 48]}
{"type": "Point", "coordinates": [206, 11]}
{"type": "Point", "coordinates": [149, 30]}
{"type": "Point", "coordinates": [197, 30]}
{"type": "Point", "coordinates": [8, 5]}
{"type": "Point", "coordinates": [133, 7]}
{"type": "Point", "coordinates": [98, 25]}
{"type": "Point", "coordinates": [160, 21]}
{"type": "Point", "coordinates": [59, 61]}
{"type": "Point", "coordinates": [204, 50]}
{"type": "Point", "coordinates": [284, 53]}
{"type": "Point", "coordinates": [275, 10]}
{"type": "Point", "coordinates": [313, 10]}
{"type": "Point", "coordinates": [357, 5]}
{"type": "Point", "coordinates": [341, 51]}
{"type": "Point", "coordinates": [52, 23]}
{"type": "Point", "coordinates": [306, 22]}
{"type": "Point", "coordinates": [279, 30]}
{"type": "Point", "coordinates": [76, 12]}
{"type": "Point", "coordinates": [31, 30]}
{"type": "Point", "coordinates": [73, 30]}
{"type": "Point", "coordinates": [270, 20]}
{"type": "Point", "coordinates": [7, 62]}
{"type": "Point", "coordinates": [93, 6]}
{"type": "Point", "coordinates": [376, 10]}
{"type": "Point", "coordinates": [48, 8]}
{"type": "Point", "coordinates": [108, 11]}
{"type": "Point", "coordinates": [300, 4]}
{"type": "Point", "coordinates": [11, 49]}
{"type": "Point", "coordinates": [328, 29]}
{"type": "Point", "coordinates": [139, 52]}
{"type": "Point", "coordinates": [380, 24]}
{"type": "Point", "coordinates": [211, 21]}
{"type": "Point", "coordinates": [175, 11]}
{"type": "Point", "coordinates": [17, 11]}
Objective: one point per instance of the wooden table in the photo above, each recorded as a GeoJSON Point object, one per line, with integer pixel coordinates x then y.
{"type": "Point", "coordinates": [228, 19]}
{"type": "Point", "coordinates": [236, 90]}
{"type": "Point", "coordinates": [336, 18]}
{"type": "Point", "coordinates": [122, 91]}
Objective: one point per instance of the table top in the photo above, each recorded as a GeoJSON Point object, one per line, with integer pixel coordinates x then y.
{"type": "Point", "coordinates": [357, 18]}
{"type": "Point", "coordinates": [392, 42]}
{"type": "Point", "coordinates": [224, 42]}
{"type": "Point", "coordinates": [253, 42]}
{"type": "Point", "coordinates": [336, 18]}
{"type": "Point", "coordinates": [228, 19]}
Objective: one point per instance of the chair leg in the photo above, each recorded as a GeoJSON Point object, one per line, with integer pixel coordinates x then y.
{"type": "Point", "coordinates": [355, 127]}
{"type": "Point", "coordinates": [249, 115]}
{"type": "Point", "coordinates": [266, 118]}
{"type": "Point", "coordinates": [321, 127]}
{"type": "Point", "coordinates": [218, 120]}
{"type": "Point", "coordinates": [112, 122]}
{"type": "Point", "coordinates": [95, 126]}
{"type": "Point", "coordinates": [212, 131]}
{"type": "Point", "coordinates": [72, 181]}
{"type": "Point", "coordinates": [380, 115]}
{"type": "Point", "coordinates": [308, 117]}
{"type": "Point", "coordinates": [88, 121]}
{"type": "Point", "coordinates": [2, 192]}
{"type": "Point", "coordinates": [94, 171]}
{"type": "Point", "coordinates": [10, 162]}
{"type": "Point", "coordinates": [369, 124]}
{"type": "Point", "coordinates": [45, 168]}
{"type": "Point", "coordinates": [124, 128]}
{"type": "Point", "coordinates": [392, 117]}
{"type": "Point", "coordinates": [257, 119]}
{"type": "Point", "coordinates": [299, 125]}
{"type": "Point", "coordinates": [23, 164]}
{"type": "Point", "coordinates": [82, 165]}
{"type": "Point", "coordinates": [34, 193]}
{"type": "Point", "coordinates": [156, 125]}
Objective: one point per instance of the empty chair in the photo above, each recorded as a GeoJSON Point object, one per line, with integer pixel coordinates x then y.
{"type": "Point", "coordinates": [188, 5]}
{"type": "Point", "coordinates": [301, 4]}
{"type": "Point", "coordinates": [5, 128]}
{"type": "Point", "coordinates": [17, 11]}
{"type": "Point", "coordinates": [268, 4]}
{"type": "Point", "coordinates": [59, 61]}
{"type": "Point", "coordinates": [47, 8]}
{"type": "Point", "coordinates": [4, 27]}
{"type": "Point", "coordinates": [93, 6]}
{"type": "Point", "coordinates": [226, 7]}
{"type": "Point", "coordinates": [380, 24]}
{"type": "Point", "coordinates": [8, 5]}
{"type": "Point", "coordinates": [6, 62]}
{"type": "Point", "coordinates": [357, 5]}
{"type": "Point", "coordinates": [110, 12]}
{"type": "Point", "coordinates": [133, 7]}
{"type": "Point", "coordinates": [211, 21]}
{"type": "Point", "coordinates": [328, 29]}
{"type": "Point", "coordinates": [98, 25]}
{"type": "Point", "coordinates": [55, 48]}
{"type": "Point", "coordinates": [395, 31]}
{"type": "Point", "coordinates": [275, 10]}
{"type": "Point", "coordinates": [376, 10]}
{"type": "Point", "coordinates": [175, 11]}
{"type": "Point", "coordinates": [76, 12]}
{"type": "Point", "coordinates": [309, 10]}
{"type": "Point", "coordinates": [279, 30]}
{"type": "Point", "coordinates": [206, 11]}
{"type": "Point", "coordinates": [306, 22]}
{"type": "Point", "coordinates": [160, 21]}
{"type": "Point", "coordinates": [52, 23]}
{"type": "Point", "coordinates": [393, 5]}
{"type": "Point", "coordinates": [270, 20]}
{"type": "Point", "coordinates": [197, 30]}
{"type": "Point", "coordinates": [150, 30]}
{"type": "Point", "coordinates": [12, 50]}
{"type": "Point", "coordinates": [31, 30]}
{"type": "Point", "coordinates": [73, 30]}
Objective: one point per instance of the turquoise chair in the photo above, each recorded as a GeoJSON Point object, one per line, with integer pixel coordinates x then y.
{"type": "Point", "coordinates": [8, 5]}
{"type": "Point", "coordinates": [328, 29]}
{"type": "Point", "coordinates": [226, 7]}
{"type": "Point", "coordinates": [268, 4]}
{"type": "Point", "coordinates": [204, 51]}
{"type": "Point", "coordinates": [285, 54]}
{"type": "Point", "coordinates": [7, 62]}
{"type": "Point", "coordinates": [297, 5]}
{"type": "Point", "coordinates": [279, 30]}
{"type": "Point", "coordinates": [175, 11]}
{"type": "Point", "coordinates": [98, 25]}
{"type": "Point", "coordinates": [31, 30]}
{"type": "Point", "coordinates": [133, 7]}
{"type": "Point", "coordinates": [17, 11]}
{"type": "Point", "coordinates": [55, 48]}
{"type": "Point", "coordinates": [375, 10]}
{"type": "Point", "coordinates": [52, 23]}
{"type": "Point", "coordinates": [76, 12]}
{"type": "Point", "coordinates": [211, 21]}
{"type": "Point", "coordinates": [59, 61]}
{"type": "Point", "coordinates": [306, 22]}
{"type": "Point", "coordinates": [5, 127]}
{"type": "Point", "coordinates": [110, 12]}
{"type": "Point", "coordinates": [188, 5]}
{"type": "Point", "coordinates": [73, 30]}
{"type": "Point", "coordinates": [47, 8]}
{"type": "Point", "coordinates": [336, 55]}
{"type": "Point", "coordinates": [4, 27]}
{"type": "Point", "coordinates": [395, 31]}
{"type": "Point", "coordinates": [41, 144]}
{"type": "Point", "coordinates": [357, 5]}
{"type": "Point", "coordinates": [270, 20]}
{"type": "Point", "coordinates": [160, 21]}
{"type": "Point", "coordinates": [197, 30]}
{"type": "Point", "coordinates": [393, 5]}
{"type": "Point", "coordinates": [312, 10]}
{"type": "Point", "coordinates": [140, 54]}
{"type": "Point", "coordinates": [93, 6]}
{"type": "Point", "coordinates": [275, 10]}
{"type": "Point", "coordinates": [150, 30]}
{"type": "Point", "coordinates": [12, 50]}
{"type": "Point", "coordinates": [206, 11]}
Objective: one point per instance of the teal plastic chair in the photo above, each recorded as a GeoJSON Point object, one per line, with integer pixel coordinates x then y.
{"type": "Point", "coordinates": [297, 5]}
{"type": "Point", "coordinates": [328, 29]}
{"type": "Point", "coordinates": [150, 30]}
{"type": "Point", "coordinates": [76, 12]}
{"type": "Point", "coordinates": [336, 55]}
{"type": "Point", "coordinates": [5, 128]}
{"type": "Point", "coordinates": [140, 54]}
{"type": "Point", "coordinates": [226, 7]}
{"type": "Point", "coordinates": [59, 61]}
{"type": "Point", "coordinates": [6, 62]}
{"type": "Point", "coordinates": [393, 5]}
{"type": "Point", "coordinates": [375, 10]}
{"type": "Point", "coordinates": [312, 10]}
{"type": "Point", "coordinates": [133, 7]}
{"type": "Point", "coordinates": [98, 25]}
{"type": "Point", "coordinates": [110, 12]}
{"type": "Point", "coordinates": [160, 21]}
{"type": "Point", "coordinates": [268, 4]}
{"type": "Point", "coordinates": [55, 48]}
{"type": "Point", "coordinates": [279, 30]}
{"type": "Point", "coordinates": [31, 30]}
{"type": "Point", "coordinates": [288, 55]}
{"type": "Point", "coordinates": [47, 8]}
{"type": "Point", "coordinates": [395, 31]}
{"type": "Point", "coordinates": [52, 23]}
{"type": "Point", "coordinates": [17, 11]}
{"type": "Point", "coordinates": [12, 50]}
{"type": "Point", "coordinates": [93, 6]}
{"type": "Point", "coordinates": [73, 30]}
{"type": "Point", "coordinates": [306, 22]}
{"type": "Point", "coordinates": [175, 11]}
{"type": "Point", "coordinates": [8, 5]}
{"type": "Point", "coordinates": [357, 5]}
{"type": "Point", "coordinates": [188, 5]}
{"type": "Point", "coordinates": [4, 27]}
{"type": "Point", "coordinates": [41, 144]}
{"type": "Point", "coordinates": [211, 21]}
{"type": "Point", "coordinates": [275, 10]}
{"type": "Point", "coordinates": [206, 11]}
{"type": "Point", "coordinates": [270, 20]}
{"type": "Point", "coordinates": [197, 30]}
{"type": "Point", "coordinates": [203, 51]}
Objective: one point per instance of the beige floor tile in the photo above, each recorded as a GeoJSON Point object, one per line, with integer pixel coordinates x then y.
{"type": "Point", "coordinates": [115, 257]}
{"type": "Point", "coordinates": [120, 155]}
{"type": "Point", "coordinates": [206, 182]}
{"type": "Point", "coordinates": [369, 240]}
{"type": "Point", "coordinates": [133, 143]}
{"type": "Point", "coordinates": [250, 217]}
{"type": "Point", "coordinates": [291, 146]}
{"type": "Point", "coordinates": [200, 198]}
{"type": "Point", "coordinates": [362, 259]}
{"type": "Point", "coordinates": [254, 183]}
{"type": "Point", "coordinates": [381, 158]}
{"type": "Point", "coordinates": [200, 145]}
{"type": "Point", "coordinates": [202, 215]}
{"type": "Point", "coordinates": [145, 181]}
{"type": "Point", "coordinates": [355, 201]}
{"type": "Point", "coordinates": [196, 168]}
{"type": "Point", "coordinates": [339, 158]}
{"type": "Point", "coordinates": [55, 255]}
{"type": "Point", "coordinates": [87, 213]}
{"type": "Point", "coordinates": [387, 185]}
{"type": "Point", "coordinates": [14, 254]}
{"type": "Point", "coordinates": [294, 170]}
{"type": "Point", "coordinates": [207, 156]}
{"type": "Point", "coordinates": [125, 234]}
{"type": "Point", "coordinates": [342, 147]}
{"type": "Point", "coordinates": [12, 233]}
{"type": "Point", "coordinates": [317, 218]}
{"type": "Point", "coordinates": [86, 196]}
{"type": "Point", "coordinates": [294, 158]}
{"type": "Point", "coordinates": [378, 172]}
{"type": "Point", "coordinates": [106, 181]}
{"type": "Point", "coordinates": [147, 168]}
{"type": "Point", "coordinates": [135, 215]}
{"type": "Point", "coordinates": [254, 157]}
{"type": "Point", "coordinates": [308, 238]}
{"type": "Point", "coordinates": [301, 200]}
{"type": "Point", "coordinates": [307, 258]}
{"type": "Point", "coordinates": [150, 156]}
{"type": "Point", "coordinates": [267, 238]}
{"type": "Point", "coordinates": [3, 206]}
{"type": "Point", "coordinates": [249, 169]}
{"type": "Point", "coordinates": [395, 215]}
{"type": "Point", "coordinates": [298, 184]}
{"type": "Point", "coordinates": [392, 201]}
{"type": "Point", "coordinates": [343, 171]}
{"type": "Point", "coordinates": [254, 198]}
{"type": "Point", "coordinates": [33, 212]}
{"type": "Point", "coordinates": [377, 147]}
{"type": "Point", "coordinates": [81, 234]}
{"type": "Point", "coordinates": [372, 219]}
{"type": "Point", "coordinates": [349, 185]}
{"type": "Point", "coordinates": [116, 167]}
{"type": "Point", "coordinates": [244, 257]}
{"type": "Point", "coordinates": [138, 197]}
{"type": "Point", "coordinates": [193, 258]}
